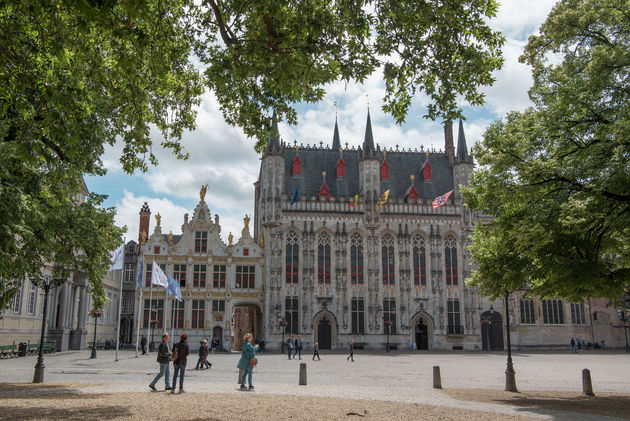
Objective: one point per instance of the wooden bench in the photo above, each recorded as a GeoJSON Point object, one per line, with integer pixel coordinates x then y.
{"type": "Point", "coordinates": [99, 345]}
{"type": "Point", "coordinates": [8, 351]}
{"type": "Point", "coordinates": [32, 349]}
{"type": "Point", "coordinates": [49, 347]}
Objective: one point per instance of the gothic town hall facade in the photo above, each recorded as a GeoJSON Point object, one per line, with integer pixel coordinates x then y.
{"type": "Point", "coordinates": [337, 272]}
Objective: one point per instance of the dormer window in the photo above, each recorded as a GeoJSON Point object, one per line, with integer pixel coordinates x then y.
{"type": "Point", "coordinates": [384, 171]}
{"type": "Point", "coordinates": [297, 166]}
{"type": "Point", "coordinates": [412, 196]}
{"type": "Point", "coordinates": [324, 193]}
{"type": "Point", "coordinates": [426, 171]}
{"type": "Point", "coordinates": [341, 169]}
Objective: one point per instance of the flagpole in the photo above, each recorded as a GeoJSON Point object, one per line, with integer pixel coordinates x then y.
{"type": "Point", "coordinates": [150, 302]}
{"type": "Point", "coordinates": [139, 300]}
{"type": "Point", "coordinates": [120, 300]}
{"type": "Point", "coordinates": [173, 319]}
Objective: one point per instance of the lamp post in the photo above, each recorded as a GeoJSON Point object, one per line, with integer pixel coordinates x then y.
{"type": "Point", "coordinates": [487, 321]}
{"type": "Point", "coordinates": [95, 314]}
{"type": "Point", "coordinates": [387, 323]}
{"type": "Point", "coordinates": [625, 320]}
{"type": "Point", "coordinates": [283, 323]}
{"type": "Point", "coordinates": [46, 284]}
{"type": "Point", "coordinates": [510, 378]}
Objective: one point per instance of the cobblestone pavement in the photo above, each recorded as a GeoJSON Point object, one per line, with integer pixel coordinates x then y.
{"type": "Point", "coordinates": [402, 377]}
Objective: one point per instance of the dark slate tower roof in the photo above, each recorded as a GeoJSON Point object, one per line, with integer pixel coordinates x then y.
{"type": "Point", "coordinates": [462, 149]}
{"type": "Point", "coordinates": [273, 142]}
{"type": "Point", "coordinates": [368, 141]}
{"type": "Point", "coordinates": [336, 144]}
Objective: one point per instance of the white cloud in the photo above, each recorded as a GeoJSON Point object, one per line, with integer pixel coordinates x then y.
{"type": "Point", "coordinates": [518, 19]}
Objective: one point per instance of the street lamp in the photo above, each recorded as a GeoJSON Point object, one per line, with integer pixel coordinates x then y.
{"type": "Point", "coordinates": [487, 321]}
{"type": "Point", "coordinates": [95, 314]}
{"type": "Point", "coordinates": [387, 323]}
{"type": "Point", "coordinates": [283, 323]}
{"type": "Point", "coordinates": [625, 321]}
{"type": "Point", "coordinates": [46, 284]}
{"type": "Point", "coordinates": [510, 378]}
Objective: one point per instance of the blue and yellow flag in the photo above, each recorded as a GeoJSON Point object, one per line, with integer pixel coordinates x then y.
{"type": "Point", "coordinates": [296, 196]}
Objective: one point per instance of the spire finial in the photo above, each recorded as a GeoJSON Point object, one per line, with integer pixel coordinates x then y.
{"type": "Point", "coordinates": [335, 110]}
{"type": "Point", "coordinates": [412, 177]}
{"type": "Point", "coordinates": [384, 153]}
{"type": "Point", "coordinates": [324, 175]}
{"type": "Point", "coordinates": [368, 101]}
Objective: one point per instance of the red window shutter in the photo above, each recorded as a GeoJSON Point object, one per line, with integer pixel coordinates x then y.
{"type": "Point", "coordinates": [245, 252]}
{"type": "Point", "coordinates": [297, 166]}
{"type": "Point", "coordinates": [426, 171]}
{"type": "Point", "coordinates": [341, 168]}
{"type": "Point", "coordinates": [384, 170]}
{"type": "Point", "coordinates": [156, 250]}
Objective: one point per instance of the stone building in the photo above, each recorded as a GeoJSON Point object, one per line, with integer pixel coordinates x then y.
{"type": "Point", "coordinates": [221, 284]}
{"type": "Point", "coordinates": [337, 266]}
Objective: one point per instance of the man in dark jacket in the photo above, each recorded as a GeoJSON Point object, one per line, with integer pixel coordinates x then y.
{"type": "Point", "coordinates": [143, 344]}
{"type": "Point", "coordinates": [298, 347]}
{"type": "Point", "coordinates": [179, 364]}
{"type": "Point", "coordinates": [164, 353]}
{"type": "Point", "coordinates": [351, 348]}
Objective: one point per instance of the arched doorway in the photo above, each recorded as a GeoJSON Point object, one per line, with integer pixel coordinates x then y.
{"type": "Point", "coordinates": [491, 331]}
{"type": "Point", "coordinates": [217, 333]}
{"type": "Point", "coordinates": [246, 317]}
{"type": "Point", "coordinates": [421, 335]}
{"type": "Point", "coordinates": [324, 333]}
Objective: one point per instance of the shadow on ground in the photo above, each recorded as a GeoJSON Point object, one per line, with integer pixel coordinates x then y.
{"type": "Point", "coordinates": [608, 404]}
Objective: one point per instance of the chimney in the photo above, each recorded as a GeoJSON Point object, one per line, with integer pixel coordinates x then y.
{"type": "Point", "coordinates": [145, 218]}
{"type": "Point", "coordinates": [449, 146]}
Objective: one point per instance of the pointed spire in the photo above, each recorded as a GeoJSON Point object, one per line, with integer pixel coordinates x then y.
{"type": "Point", "coordinates": [368, 142]}
{"type": "Point", "coordinates": [273, 142]}
{"type": "Point", "coordinates": [449, 148]}
{"type": "Point", "coordinates": [462, 149]}
{"type": "Point", "coordinates": [336, 142]}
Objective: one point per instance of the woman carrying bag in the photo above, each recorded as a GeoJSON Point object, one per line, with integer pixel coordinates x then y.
{"type": "Point", "coordinates": [248, 360]}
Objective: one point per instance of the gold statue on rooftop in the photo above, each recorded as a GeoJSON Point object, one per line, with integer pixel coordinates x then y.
{"type": "Point", "coordinates": [202, 192]}
{"type": "Point", "coordinates": [158, 218]}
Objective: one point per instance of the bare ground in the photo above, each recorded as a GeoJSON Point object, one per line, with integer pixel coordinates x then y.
{"type": "Point", "coordinates": [66, 401]}
{"type": "Point", "coordinates": [609, 404]}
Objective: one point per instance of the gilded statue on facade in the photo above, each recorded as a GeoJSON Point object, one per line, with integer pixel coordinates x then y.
{"type": "Point", "coordinates": [158, 218]}
{"type": "Point", "coordinates": [202, 192]}
{"type": "Point", "coordinates": [246, 220]}
{"type": "Point", "coordinates": [170, 238]}
{"type": "Point", "coordinates": [230, 239]}
{"type": "Point", "coordinates": [261, 240]}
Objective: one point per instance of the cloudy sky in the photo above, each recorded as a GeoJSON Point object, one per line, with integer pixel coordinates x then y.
{"type": "Point", "coordinates": [222, 157]}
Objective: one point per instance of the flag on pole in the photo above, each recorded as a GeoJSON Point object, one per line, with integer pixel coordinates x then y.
{"type": "Point", "coordinates": [140, 272]}
{"type": "Point", "coordinates": [173, 288]}
{"type": "Point", "coordinates": [441, 201]}
{"type": "Point", "coordinates": [356, 199]}
{"type": "Point", "coordinates": [296, 196]}
{"type": "Point", "coordinates": [383, 199]}
{"type": "Point", "coordinates": [117, 256]}
{"type": "Point", "coordinates": [158, 277]}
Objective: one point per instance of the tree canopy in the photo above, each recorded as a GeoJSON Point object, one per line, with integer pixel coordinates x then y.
{"type": "Point", "coordinates": [555, 179]}
{"type": "Point", "coordinates": [77, 76]}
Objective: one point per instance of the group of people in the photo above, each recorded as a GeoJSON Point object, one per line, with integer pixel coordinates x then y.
{"type": "Point", "coordinates": [179, 356]}
{"type": "Point", "coordinates": [295, 346]}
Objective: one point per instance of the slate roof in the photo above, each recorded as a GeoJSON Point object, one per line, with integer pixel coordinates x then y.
{"type": "Point", "coordinates": [401, 166]}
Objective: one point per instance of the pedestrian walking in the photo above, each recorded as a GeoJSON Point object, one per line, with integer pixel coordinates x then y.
{"type": "Point", "coordinates": [316, 352]}
{"type": "Point", "coordinates": [203, 355]}
{"type": "Point", "coordinates": [164, 355]}
{"type": "Point", "coordinates": [351, 356]}
{"type": "Point", "coordinates": [143, 344]}
{"type": "Point", "coordinates": [297, 345]}
{"type": "Point", "coordinates": [248, 360]}
{"type": "Point", "coordinates": [214, 344]}
{"type": "Point", "coordinates": [180, 352]}
{"type": "Point", "coordinates": [573, 349]}
{"type": "Point", "coordinates": [289, 345]}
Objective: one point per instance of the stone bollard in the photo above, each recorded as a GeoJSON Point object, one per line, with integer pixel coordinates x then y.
{"type": "Point", "coordinates": [302, 374]}
{"type": "Point", "coordinates": [587, 385]}
{"type": "Point", "coordinates": [437, 380]}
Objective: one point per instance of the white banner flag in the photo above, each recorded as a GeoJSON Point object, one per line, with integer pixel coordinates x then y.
{"type": "Point", "coordinates": [117, 256]}
{"type": "Point", "coordinates": [158, 277]}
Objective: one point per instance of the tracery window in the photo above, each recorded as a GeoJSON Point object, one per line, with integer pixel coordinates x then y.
{"type": "Point", "coordinates": [419, 261]}
{"type": "Point", "coordinates": [292, 258]}
{"type": "Point", "coordinates": [450, 259]}
{"type": "Point", "coordinates": [323, 258]}
{"type": "Point", "coordinates": [388, 260]}
{"type": "Point", "coordinates": [356, 259]}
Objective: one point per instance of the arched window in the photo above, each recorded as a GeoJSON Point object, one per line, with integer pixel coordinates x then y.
{"type": "Point", "coordinates": [356, 259]}
{"type": "Point", "coordinates": [450, 259]}
{"type": "Point", "coordinates": [419, 261]}
{"type": "Point", "coordinates": [388, 262]}
{"type": "Point", "coordinates": [341, 169]}
{"type": "Point", "coordinates": [323, 258]}
{"type": "Point", "coordinates": [384, 170]}
{"type": "Point", "coordinates": [297, 166]}
{"type": "Point", "coordinates": [293, 259]}
{"type": "Point", "coordinates": [426, 171]}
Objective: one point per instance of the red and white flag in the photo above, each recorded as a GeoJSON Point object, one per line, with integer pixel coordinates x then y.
{"type": "Point", "coordinates": [441, 201]}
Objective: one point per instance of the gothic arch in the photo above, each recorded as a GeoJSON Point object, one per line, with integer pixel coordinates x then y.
{"type": "Point", "coordinates": [426, 319]}
{"type": "Point", "coordinates": [320, 317]}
